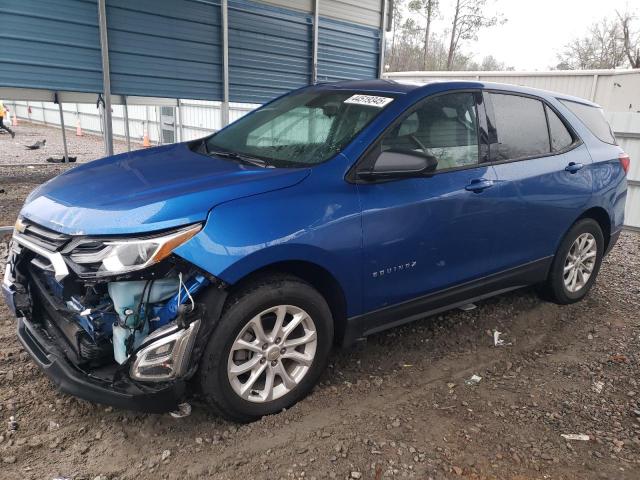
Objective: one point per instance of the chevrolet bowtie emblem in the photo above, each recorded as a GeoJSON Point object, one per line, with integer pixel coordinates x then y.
{"type": "Point", "coordinates": [20, 226]}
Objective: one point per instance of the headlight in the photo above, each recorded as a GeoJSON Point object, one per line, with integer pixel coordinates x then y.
{"type": "Point", "coordinates": [128, 255]}
{"type": "Point", "coordinates": [167, 357]}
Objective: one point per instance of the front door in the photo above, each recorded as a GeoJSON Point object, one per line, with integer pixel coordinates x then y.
{"type": "Point", "coordinates": [434, 231]}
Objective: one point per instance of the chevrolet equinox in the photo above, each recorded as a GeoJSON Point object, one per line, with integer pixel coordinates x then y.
{"type": "Point", "coordinates": [231, 264]}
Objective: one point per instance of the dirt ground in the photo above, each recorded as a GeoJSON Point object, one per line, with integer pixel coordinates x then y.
{"type": "Point", "coordinates": [399, 407]}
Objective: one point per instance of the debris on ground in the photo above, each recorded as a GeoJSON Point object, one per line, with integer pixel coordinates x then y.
{"type": "Point", "coordinates": [474, 380]}
{"type": "Point", "coordinates": [12, 424]}
{"type": "Point", "coordinates": [497, 341]}
{"type": "Point", "coordinates": [60, 159]}
{"type": "Point", "coordinates": [37, 145]}
{"type": "Point", "coordinates": [467, 307]}
{"type": "Point", "coordinates": [576, 436]}
{"type": "Point", "coordinates": [183, 410]}
{"type": "Point", "coordinates": [598, 386]}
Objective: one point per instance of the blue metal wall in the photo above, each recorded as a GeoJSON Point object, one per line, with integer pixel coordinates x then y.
{"type": "Point", "coordinates": [50, 45]}
{"type": "Point", "coordinates": [172, 48]}
{"type": "Point", "coordinates": [165, 48]}
{"type": "Point", "coordinates": [269, 51]}
{"type": "Point", "coordinates": [347, 51]}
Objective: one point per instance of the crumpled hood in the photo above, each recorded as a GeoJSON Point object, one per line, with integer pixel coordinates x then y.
{"type": "Point", "coordinates": [147, 190]}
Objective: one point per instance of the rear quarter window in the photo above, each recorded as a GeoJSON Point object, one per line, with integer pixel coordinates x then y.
{"type": "Point", "coordinates": [593, 118]}
{"type": "Point", "coordinates": [521, 125]}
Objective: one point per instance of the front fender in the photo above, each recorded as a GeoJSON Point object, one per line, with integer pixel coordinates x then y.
{"type": "Point", "coordinates": [311, 222]}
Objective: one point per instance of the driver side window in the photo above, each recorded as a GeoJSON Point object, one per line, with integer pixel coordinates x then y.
{"type": "Point", "coordinates": [444, 127]}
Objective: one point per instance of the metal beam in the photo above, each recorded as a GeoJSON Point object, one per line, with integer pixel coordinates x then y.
{"type": "Point", "coordinates": [383, 28]}
{"type": "Point", "coordinates": [125, 111]}
{"type": "Point", "coordinates": [314, 45]}
{"type": "Point", "coordinates": [594, 88]}
{"type": "Point", "coordinates": [180, 129]}
{"type": "Point", "coordinates": [64, 132]}
{"type": "Point", "coordinates": [106, 78]}
{"type": "Point", "coordinates": [224, 8]}
{"type": "Point", "coordinates": [634, 135]}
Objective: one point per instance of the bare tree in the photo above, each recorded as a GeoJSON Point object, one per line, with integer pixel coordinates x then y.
{"type": "Point", "coordinates": [396, 18]}
{"type": "Point", "coordinates": [630, 39]}
{"type": "Point", "coordinates": [468, 18]}
{"type": "Point", "coordinates": [416, 42]}
{"type": "Point", "coordinates": [427, 9]}
{"type": "Point", "coordinates": [489, 63]}
{"type": "Point", "coordinates": [600, 48]}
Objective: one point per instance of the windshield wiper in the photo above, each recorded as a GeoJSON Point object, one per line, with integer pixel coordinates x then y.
{"type": "Point", "coordinates": [240, 158]}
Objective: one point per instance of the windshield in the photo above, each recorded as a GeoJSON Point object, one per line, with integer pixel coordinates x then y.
{"type": "Point", "coordinates": [302, 129]}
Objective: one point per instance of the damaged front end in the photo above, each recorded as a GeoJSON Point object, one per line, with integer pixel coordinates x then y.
{"type": "Point", "coordinates": [114, 320]}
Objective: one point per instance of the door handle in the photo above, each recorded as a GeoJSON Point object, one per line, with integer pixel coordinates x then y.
{"type": "Point", "coordinates": [477, 185]}
{"type": "Point", "coordinates": [573, 167]}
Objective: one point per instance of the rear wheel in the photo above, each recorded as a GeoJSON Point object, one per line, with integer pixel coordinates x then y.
{"type": "Point", "coordinates": [577, 262]}
{"type": "Point", "coordinates": [269, 349]}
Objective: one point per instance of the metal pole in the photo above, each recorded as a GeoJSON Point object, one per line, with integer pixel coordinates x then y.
{"type": "Point", "coordinates": [225, 62]}
{"type": "Point", "coordinates": [126, 122]}
{"type": "Point", "coordinates": [314, 47]}
{"type": "Point", "coordinates": [106, 78]}
{"type": "Point", "coordinates": [64, 133]}
{"type": "Point", "coordinates": [383, 25]}
{"type": "Point", "coordinates": [594, 88]}
{"type": "Point", "coordinates": [180, 130]}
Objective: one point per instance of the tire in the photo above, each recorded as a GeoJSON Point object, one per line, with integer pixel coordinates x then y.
{"type": "Point", "coordinates": [559, 288]}
{"type": "Point", "coordinates": [221, 385]}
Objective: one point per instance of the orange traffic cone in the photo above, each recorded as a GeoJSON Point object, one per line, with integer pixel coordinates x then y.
{"type": "Point", "coordinates": [78, 129]}
{"type": "Point", "coordinates": [145, 140]}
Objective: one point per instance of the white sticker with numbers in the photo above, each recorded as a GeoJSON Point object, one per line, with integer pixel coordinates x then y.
{"type": "Point", "coordinates": [371, 100]}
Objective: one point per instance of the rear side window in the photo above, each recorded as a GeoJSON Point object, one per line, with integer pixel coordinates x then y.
{"type": "Point", "coordinates": [521, 125]}
{"type": "Point", "coordinates": [561, 138]}
{"type": "Point", "coordinates": [593, 118]}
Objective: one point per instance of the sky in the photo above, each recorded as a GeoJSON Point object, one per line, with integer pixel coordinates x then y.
{"type": "Point", "coordinates": [536, 30]}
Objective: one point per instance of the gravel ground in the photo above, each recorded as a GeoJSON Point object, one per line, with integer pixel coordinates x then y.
{"type": "Point", "coordinates": [86, 148]}
{"type": "Point", "coordinates": [400, 407]}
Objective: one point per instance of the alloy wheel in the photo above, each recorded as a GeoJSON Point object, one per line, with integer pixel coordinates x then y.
{"type": "Point", "coordinates": [272, 353]}
{"type": "Point", "coordinates": [580, 262]}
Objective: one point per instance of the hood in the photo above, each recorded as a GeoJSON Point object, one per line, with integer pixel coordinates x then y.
{"type": "Point", "coordinates": [147, 190]}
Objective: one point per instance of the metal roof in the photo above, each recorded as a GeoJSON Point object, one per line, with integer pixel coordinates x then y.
{"type": "Point", "coordinates": [173, 48]}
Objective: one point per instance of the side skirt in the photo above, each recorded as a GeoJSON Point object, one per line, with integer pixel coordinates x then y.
{"type": "Point", "coordinates": [433, 303]}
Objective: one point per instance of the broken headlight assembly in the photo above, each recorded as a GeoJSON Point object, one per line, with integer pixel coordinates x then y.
{"type": "Point", "coordinates": [165, 353]}
{"type": "Point", "coordinates": [103, 257]}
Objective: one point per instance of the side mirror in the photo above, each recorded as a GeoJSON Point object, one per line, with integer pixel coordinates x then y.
{"type": "Point", "coordinates": [392, 164]}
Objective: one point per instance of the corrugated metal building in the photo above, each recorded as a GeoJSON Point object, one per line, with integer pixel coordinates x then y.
{"type": "Point", "coordinates": [154, 52]}
{"type": "Point", "coordinates": [174, 48]}
{"type": "Point", "coordinates": [617, 91]}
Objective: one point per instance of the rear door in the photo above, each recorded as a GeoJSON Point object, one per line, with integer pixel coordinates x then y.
{"type": "Point", "coordinates": [541, 168]}
{"type": "Point", "coordinates": [430, 232]}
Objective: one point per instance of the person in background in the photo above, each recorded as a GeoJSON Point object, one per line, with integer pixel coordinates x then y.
{"type": "Point", "coordinates": [3, 113]}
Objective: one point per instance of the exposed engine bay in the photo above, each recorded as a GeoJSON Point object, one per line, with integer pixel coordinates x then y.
{"type": "Point", "coordinates": [122, 315]}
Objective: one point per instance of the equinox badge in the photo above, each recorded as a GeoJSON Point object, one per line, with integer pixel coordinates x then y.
{"type": "Point", "coordinates": [396, 268]}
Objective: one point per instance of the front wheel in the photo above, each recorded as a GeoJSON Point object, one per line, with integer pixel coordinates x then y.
{"type": "Point", "coordinates": [268, 351]}
{"type": "Point", "coordinates": [577, 262]}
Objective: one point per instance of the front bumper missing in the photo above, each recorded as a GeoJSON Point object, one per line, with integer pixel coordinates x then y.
{"type": "Point", "coordinates": [122, 393]}
{"type": "Point", "coordinates": [47, 348]}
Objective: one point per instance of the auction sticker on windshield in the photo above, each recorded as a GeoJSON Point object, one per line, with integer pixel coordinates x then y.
{"type": "Point", "coordinates": [371, 100]}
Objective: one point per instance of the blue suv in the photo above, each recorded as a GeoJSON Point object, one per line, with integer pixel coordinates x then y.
{"type": "Point", "coordinates": [230, 265]}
